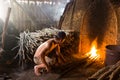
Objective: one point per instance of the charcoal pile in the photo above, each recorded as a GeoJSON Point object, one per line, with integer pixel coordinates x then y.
{"type": "Point", "coordinates": [29, 41]}
{"type": "Point", "coordinates": [111, 72]}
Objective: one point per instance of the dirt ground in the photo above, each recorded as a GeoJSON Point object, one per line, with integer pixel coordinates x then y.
{"type": "Point", "coordinates": [72, 71]}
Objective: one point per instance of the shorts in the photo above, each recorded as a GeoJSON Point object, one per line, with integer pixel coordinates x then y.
{"type": "Point", "coordinates": [48, 60]}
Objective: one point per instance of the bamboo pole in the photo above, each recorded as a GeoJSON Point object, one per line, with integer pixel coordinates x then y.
{"type": "Point", "coordinates": [5, 27]}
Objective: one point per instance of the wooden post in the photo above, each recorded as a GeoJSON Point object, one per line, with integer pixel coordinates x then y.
{"type": "Point", "coordinates": [5, 26]}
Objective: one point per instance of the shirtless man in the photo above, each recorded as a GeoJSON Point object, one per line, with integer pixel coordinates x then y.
{"type": "Point", "coordinates": [41, 55]}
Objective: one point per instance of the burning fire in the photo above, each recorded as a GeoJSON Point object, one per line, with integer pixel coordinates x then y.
{"type": "Point", "coordinates": [93, 52]}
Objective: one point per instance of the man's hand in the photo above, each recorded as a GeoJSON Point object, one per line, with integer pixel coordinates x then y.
{"type": "Point", "coordinates": [48, 69]}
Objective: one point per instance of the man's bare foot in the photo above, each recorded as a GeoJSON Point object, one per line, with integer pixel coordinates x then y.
{"type": "Point", "coordinates": [36, 71]}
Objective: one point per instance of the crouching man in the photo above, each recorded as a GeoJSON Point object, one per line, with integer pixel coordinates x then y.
{"type": "Point", "coordinates": [41, 56]}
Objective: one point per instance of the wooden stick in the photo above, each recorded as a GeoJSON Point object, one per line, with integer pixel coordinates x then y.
{"type": "Point", "coordinates": [101, 71]}
{"type": "Point", "coordinates": [92, 79]}
{"type": "Point", "coordinates": [5, 27]}
{"type": "Point", "coordinates": [115, 74]}
{"type": "Point", "coordinates": [107, 73]}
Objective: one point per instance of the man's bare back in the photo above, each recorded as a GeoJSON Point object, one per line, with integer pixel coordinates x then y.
{"type": "Point", "coordinates": [45, 48]}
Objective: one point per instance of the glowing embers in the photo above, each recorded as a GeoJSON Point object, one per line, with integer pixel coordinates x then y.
{"type": "Point", "coordinates": [93, 53]}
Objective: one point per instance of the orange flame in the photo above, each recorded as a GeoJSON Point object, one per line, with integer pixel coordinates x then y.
{"type": "Point", "coordinates": [93, 51]}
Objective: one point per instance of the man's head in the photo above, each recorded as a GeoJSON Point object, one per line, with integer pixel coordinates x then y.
{"type": "Point", "coordinates": [61, 35]}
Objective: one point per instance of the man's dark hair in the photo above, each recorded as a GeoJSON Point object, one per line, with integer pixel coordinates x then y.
{"type": "Point", "coordinates": [61, 35]}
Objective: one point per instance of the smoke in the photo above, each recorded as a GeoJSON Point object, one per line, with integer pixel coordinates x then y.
{"type": "Point", "coordinates": [4, 4]}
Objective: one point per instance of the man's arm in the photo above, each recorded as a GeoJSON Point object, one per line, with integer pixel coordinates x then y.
{"type": "Point", "coordinates": [58, 50]}
{"type": "Point", "coordinates": [59, 54]}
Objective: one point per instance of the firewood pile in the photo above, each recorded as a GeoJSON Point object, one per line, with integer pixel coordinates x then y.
{"type": "Point", "coordinates": [111, 72]}
{"type": "Point", "coordinates": [29, 41]}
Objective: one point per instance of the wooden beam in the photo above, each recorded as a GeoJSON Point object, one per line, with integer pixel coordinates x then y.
{"type": "Point", "coordinates": [5, 26]}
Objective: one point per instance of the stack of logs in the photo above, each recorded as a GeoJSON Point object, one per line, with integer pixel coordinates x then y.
{"type": "Point", "coordinates": [111, 72]}
{"type": "Point", "coordinates": [29, 41]}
